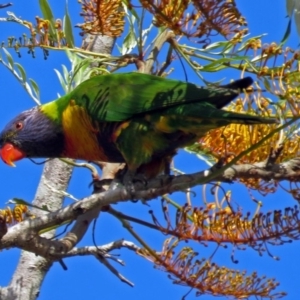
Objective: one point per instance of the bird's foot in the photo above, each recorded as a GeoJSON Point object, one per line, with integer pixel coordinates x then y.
{"type": "Point", "coordinates": [130, 179]}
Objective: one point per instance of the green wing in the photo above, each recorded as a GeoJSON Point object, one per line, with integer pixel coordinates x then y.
{"type": "Point", "coordinates": [118, 97]}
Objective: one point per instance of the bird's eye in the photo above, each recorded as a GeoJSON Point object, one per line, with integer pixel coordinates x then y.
{"type": "Point", "coordinates": [19, 125]}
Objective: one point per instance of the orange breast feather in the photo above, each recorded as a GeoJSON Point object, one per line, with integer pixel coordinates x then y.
{"type": "Point", "coordinates": [80, 134]}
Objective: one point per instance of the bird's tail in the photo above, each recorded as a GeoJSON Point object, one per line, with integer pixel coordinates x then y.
{"type": "Point", "coordinates": [239, 84]}
{"type": "Point", "coordinates": [230, 91]}
{"type": "Point", "coordinates": [239, 118]}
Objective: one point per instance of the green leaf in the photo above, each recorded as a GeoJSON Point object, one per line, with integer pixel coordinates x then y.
{"type": "Point", "coordinates": [23, 202]}
{"type": "Point", "coordinates": [215, 46]}
{"type": "Point", "coordinates": [221, 63]}
{"type": "Point", "coordinates": [62, 81]}
{"type": "Point", "coordinates": [65, 73]}
{"type": "Point", "coordinates": [73, 57]}
{"type": "Point", "coordinates": [79, 71]}
{"type": "Point", "coordinates": [48, 15]}
{"type": "Point", "coordinates": [129, 43]}
{"type": "Point", "coordinates": [9, 58]}
{"type": "Point", "coordinates": [21, 71]}
{"type": "Point", "coordinates": [251, 65]}
{"type": "Point", "coordinates": [127, 5]}
{"type": "Point", "coordinates": [267, 84]}
{"type": "Point", "coordinates": [287, 32]}
{"type": "Point", "coordinates": [46, 10]}
{"type": "Point", "coordinates": [68, 28]}
{"type": "Point", "coordinates": [35, 87]}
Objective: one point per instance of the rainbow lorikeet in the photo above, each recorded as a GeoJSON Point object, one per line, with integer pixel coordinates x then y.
{"type": "Point", "coordinates": [134, 118]}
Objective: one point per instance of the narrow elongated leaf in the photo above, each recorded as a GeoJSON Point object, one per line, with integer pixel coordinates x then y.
{"type": "Point", "coordinates": [65, 72]}
{"type": "Point", "coordinates": [9, 58]}
{"type": "Point", "coordinates": [220, 63]}
{"type": "Point", "coordinates": [267, 84]}
{"type": "Point", "coordinates": [79, 71]}
{"type": "Point", "coordinates": [68, 28]}
{"type": "Point", "coordinates": [129, 43]}
{"type": "Point", "coordinates": [21, 71]}
{"type": "Point", "coordinates": [62, 81]}
{"type": "Point", "coordinates": [35, 88]}
{"type": "Point", "coordinates": [46, 10]}
{"type": "Point", "coordinates": [287, 32]}
{"type": "Point", "coordinates": [126, 7]}
{"type": "Point", "coordinates": [215, 45]}
{"type": "Point", "coordinates": [48, 15]}
{"type": "Point", "coordinates": [23, 202]}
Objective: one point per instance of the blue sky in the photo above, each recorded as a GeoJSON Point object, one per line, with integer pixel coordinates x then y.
{"type": "Point", "coordinates": [85, 277]}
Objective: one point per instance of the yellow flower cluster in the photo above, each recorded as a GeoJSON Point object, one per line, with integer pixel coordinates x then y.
{"type": "Point", "coordinates": [167, 13]}
{"type": "Point", "coordinates": [228, 142]}
{"type": "Point", "coordinates": [197, 18]}
{"type": "Point", "coordinates": [102, 16]}
{"type": "Point", "coordinates": [14, 215]}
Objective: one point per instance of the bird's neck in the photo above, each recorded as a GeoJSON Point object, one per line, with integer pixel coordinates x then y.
{"type": "Point", "coordinates": [54, 109]}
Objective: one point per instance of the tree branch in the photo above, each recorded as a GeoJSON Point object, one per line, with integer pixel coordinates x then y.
{"type": "Point", "coordinates": [289, 170]}
{"type": "Point", "coordinates": [91, 250]}
{"type": "Point", "coordinates": [25, 234]}
{"type": "Point", "coordinates": [152, 58]}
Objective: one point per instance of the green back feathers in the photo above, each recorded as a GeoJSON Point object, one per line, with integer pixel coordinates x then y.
{"type": "Point", "coordinates": [118, 97]}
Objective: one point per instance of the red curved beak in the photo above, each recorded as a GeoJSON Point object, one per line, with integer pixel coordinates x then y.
{"type": "Point", "coordinates": [10, 153]}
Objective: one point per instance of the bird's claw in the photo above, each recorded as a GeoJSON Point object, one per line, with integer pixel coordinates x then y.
{"type": "Point", "coordinates": [130, 179]}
